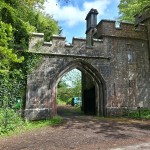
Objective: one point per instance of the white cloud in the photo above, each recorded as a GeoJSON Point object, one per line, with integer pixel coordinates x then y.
{"type": "Point", "coordinates": [71, 15]}
{"type": "Point", "coordinates": [100, 5]}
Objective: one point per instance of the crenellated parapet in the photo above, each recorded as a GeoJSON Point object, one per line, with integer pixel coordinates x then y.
{"type": "Point", "coordinates": [124, 30]}
{"type": "Point", "coordinates": [58, 46]}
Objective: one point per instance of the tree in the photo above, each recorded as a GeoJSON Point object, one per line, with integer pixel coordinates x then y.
{"type": "Point", "coordinates": [129, 8]}
{"type": "Point", "coordinates": [45, 23]}
{"type": "Point", "coordinates": [73, 79]}
{"type": "Point", "coordinates": [7, 56]}
{"type": "Point", "coordinates": [18, 18]}
{"type": "Point", "coordinates": [69, 86]}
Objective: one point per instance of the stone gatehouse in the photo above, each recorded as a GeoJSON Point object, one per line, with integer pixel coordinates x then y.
{"type": "Point", "coordinates": [114, 61]}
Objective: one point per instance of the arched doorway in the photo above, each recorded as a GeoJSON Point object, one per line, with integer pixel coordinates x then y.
{"type": "Point", "coordinates": [69, 89]}
{"type": "Point", "coordinates": [93, 87]}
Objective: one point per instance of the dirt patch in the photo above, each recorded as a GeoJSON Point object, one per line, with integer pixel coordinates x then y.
{"type": "Point", "coordinates": [81, 132]}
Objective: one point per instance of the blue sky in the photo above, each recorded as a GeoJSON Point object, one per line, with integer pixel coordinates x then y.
{"type": "Point", "coordinates": [71, 15]}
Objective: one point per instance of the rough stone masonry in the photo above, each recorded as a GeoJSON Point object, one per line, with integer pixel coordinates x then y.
{"type": "Point", "coordinates": [114, 60]}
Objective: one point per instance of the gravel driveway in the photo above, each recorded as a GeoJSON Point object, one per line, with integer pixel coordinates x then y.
{"type": "Point", "coordinates": [80, 132]}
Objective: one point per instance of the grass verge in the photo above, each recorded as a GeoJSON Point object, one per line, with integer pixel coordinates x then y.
{"type": "Point", "coordinates": [57, 120]}
{"type": "Point", "coordinates": [31, 125]}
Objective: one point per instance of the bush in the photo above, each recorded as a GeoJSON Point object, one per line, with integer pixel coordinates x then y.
{"type": "Point", "coordinates": [142, 113]}
{"type": "Point", "coordinates": [60, 102]}
{"type": "Point", "coordinates": [69, 102]}
{"type": "Point", "coordinates": [9, 120]}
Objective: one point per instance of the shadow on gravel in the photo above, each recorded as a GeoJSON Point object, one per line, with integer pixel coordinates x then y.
{"type": "Point", "coordinates": [107, 127]}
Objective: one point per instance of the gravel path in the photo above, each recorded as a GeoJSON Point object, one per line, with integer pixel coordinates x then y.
{"type": "Point", "coordinates": [79, 132]}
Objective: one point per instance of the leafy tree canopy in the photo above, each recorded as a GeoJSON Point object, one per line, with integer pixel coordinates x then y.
{"type": "Point", "coordinates": [6, 54]}
{"type": "Point", "coordinates": [129, 8]}
{"type": "Point", "coordinates": [18, 18]}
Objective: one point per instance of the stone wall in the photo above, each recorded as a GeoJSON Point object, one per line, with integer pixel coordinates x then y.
{"type": "Point", "coordinates": [130, 50]}
{"type": "Point", "coordinates": [117, 62]}
{"type": "Point", "coordinates": [57, 59]}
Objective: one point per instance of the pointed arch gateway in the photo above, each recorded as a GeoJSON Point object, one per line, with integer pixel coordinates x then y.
{"type": "Point", "coordinates": [93, 87]}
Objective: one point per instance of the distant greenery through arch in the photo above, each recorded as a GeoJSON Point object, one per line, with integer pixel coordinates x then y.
{"type": "Point", "coordinates": [69, 86]}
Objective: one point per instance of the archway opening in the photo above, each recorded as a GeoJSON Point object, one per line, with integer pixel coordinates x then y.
{"type": "Point", "coordinates": [69, 89]}
{"type": "Point", "coordinates": [77, 89]}
{"type": "Point", "coordinates": [93, 87]}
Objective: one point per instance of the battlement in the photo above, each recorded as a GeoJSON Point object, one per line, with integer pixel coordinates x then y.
{"type": "Point", "coordinates": [58, 46]}
{"type": "Point", "coordinates": [125, 30]}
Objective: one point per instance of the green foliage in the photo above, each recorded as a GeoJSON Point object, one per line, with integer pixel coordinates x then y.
{"type": "Point", "coordinates": [15, 124]}
{"type": "Point", "coordinates": [16, 13]}
{"type": "Point", "coordinates": [129, 8]}
{"type": "Point", "coordinates": [69, 86]}
{"type": "Point", "coordinates": [69, 101]}
{"type": "Point", "coordinates": [30, 63]}
{"type": "Point", "coordinates": [9, 121]}
{"type": "Point", "coordinates": [42, 123]}
{"type": "Point", "coordinates": [45, 24]}
{"type": "Point", "coordinates": [60, 102]}
{"type": "Point", "coordinates": [17, 20]}
{"type": "Point", "coordinates": [25, 17]}
{"type": "Point", "coordinates": [10, 87]}
{"type": "Point", "coordinates": [77, 109]}
{"type": "Point", "coordinates": [7, 55]}
{"type": "Point", "coordinates": [9, 83]}
{"type": "Point", "coordinates": [142, 114]}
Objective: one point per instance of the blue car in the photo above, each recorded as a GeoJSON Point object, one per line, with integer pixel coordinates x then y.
{"type": "Point", "coordinates": [76, 101]}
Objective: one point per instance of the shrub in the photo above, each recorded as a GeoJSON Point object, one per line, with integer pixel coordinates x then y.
{"type": "Point", "coordinates": [69, 102]}
{"type": "Point", "coordinates": [61, 102]}
{"type": "Point", "coordinates": [142, 113]}
{"type": "Point", "coordinates": [9, 121]}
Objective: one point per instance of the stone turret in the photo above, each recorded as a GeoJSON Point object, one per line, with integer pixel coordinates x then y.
{"type": "Point", "coordinates": [91, 19]}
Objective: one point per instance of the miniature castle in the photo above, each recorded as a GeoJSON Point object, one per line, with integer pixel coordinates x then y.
{"type": "Point", "coordinates": [114, 61]}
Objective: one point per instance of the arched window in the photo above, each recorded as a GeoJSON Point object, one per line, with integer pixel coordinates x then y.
{"type": "Point", "coordinates": [130, 53]}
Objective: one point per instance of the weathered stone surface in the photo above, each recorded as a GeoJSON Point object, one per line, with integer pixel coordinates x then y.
{"type": "Point", "coordinates": [116, 66]}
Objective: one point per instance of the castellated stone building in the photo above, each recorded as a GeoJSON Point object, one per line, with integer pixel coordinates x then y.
{"type": "Point", "coordinates": [114, 60]}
